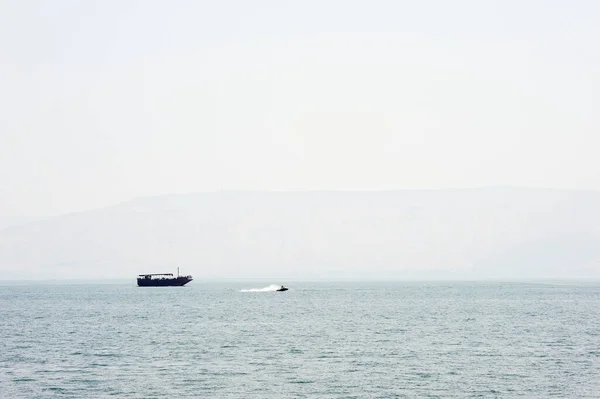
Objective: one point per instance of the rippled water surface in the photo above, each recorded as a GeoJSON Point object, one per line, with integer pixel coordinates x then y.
{"type": "Point", "coordinates": [318, 340]}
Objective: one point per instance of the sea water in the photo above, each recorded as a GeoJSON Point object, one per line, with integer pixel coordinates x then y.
{"type": "Point", "coordinates": [317, 340]}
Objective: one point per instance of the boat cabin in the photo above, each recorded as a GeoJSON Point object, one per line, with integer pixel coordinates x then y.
{"type": "Point", "coordinates": [155, 276]}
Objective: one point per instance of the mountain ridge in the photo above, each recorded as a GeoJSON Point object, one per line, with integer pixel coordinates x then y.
{"type": "Point", "coordinates": [498, 232]}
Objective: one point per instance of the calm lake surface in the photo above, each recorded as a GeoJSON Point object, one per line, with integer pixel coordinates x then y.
{"type": "Point", "coordinates": [317, 340]}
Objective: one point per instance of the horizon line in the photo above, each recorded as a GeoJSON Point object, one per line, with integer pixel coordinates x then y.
{"type": "Point", "coordinates": [382, 279]}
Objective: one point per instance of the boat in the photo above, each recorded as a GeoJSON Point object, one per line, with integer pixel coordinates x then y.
{"type": "Point", "coordinates": [162, 280]}
{"type": "Point", "coordinates": [282, 288]}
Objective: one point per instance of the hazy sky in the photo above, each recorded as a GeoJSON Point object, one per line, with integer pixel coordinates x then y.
{"type": "Point", "coordinates": [102, 101]}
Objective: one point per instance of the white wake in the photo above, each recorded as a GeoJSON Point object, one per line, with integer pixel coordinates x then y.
{"type": "Point", "coordinates": [270, 288]}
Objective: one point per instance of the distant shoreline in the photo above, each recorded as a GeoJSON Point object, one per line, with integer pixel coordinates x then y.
{"type": "Point", "coordinates": [207, 281]}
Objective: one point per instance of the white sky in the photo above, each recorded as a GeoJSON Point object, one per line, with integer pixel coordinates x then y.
{"type": "Point", "coordinates": [102, 101]}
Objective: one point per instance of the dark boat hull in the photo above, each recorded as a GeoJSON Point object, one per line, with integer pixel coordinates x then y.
{"type": "Point", "coordinates": [163, 282]}
{"type": "Point", "coordinates": [282, 289]}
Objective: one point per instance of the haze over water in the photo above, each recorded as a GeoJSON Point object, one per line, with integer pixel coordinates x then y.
{"type": "Point", "coordinates": [318, 340]}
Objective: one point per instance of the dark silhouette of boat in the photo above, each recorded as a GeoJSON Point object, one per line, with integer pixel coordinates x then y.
{"type": "Point", "coordinates": [162, 280]}
{"type": "Point", "coordinates": [282, 288]}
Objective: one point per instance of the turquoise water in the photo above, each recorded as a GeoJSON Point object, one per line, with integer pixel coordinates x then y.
{"type": "Point", "coordinates": [318, 340]}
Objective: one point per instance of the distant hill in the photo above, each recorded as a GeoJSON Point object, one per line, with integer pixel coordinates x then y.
{"type": "Point", "coordinates": [6, 222]}
{"type": "Point", "coordinates": [467, 234]}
